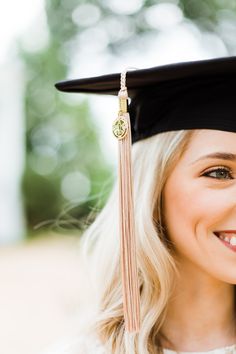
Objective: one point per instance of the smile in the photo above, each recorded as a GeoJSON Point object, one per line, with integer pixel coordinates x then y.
{"type": "Point", "coordinates": [228, 238]}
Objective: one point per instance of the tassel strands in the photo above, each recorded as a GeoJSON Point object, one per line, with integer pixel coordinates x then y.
{"type": "Point", "coordinates": [129, 271]}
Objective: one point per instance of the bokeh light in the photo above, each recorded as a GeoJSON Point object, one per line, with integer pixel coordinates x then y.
{"type": "Point", "coordinates": [76, 187]}
{"type": "Point", "coordinates": [163, 16]}
{"type": "Point", "coordinates": [86, 15]}
{"type": "Point", "coordinates": [125, 7]}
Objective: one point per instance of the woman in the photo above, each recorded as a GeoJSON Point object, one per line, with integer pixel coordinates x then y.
{"type": "Point", "coordinates": [184, 166]}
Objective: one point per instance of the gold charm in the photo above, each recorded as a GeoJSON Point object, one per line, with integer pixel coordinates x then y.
{"type": "Point", "coordinates": [120, 127]}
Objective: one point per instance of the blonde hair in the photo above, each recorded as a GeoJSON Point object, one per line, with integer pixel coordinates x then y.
{"type": "Point", "coordinates": [153, 159]}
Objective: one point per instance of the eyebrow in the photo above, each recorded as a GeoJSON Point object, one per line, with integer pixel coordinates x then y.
{"type": "Point", "coordinates": [218, 155]}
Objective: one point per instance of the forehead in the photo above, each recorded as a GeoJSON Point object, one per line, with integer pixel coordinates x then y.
{"type": "Point", "coordinates": [207, 141]}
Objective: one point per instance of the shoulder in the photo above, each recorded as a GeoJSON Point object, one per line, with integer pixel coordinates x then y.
{"type": "Point", "coordinates": [77, 345]}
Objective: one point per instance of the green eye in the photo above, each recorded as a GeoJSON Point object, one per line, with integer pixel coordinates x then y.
{"type": "Point", "coordinates": [219, 173]}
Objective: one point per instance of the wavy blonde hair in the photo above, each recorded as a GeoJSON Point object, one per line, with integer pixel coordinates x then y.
{"type": "Point", "coordinates": [153, 160]}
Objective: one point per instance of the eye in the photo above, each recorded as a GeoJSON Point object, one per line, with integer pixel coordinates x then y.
{"type": "Point", "coordinates": [219, 173]}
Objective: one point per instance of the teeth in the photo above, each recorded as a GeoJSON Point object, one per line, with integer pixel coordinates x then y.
{"type": "Point", "coordinates": [233, 241]}
{"type": "Point", "coordinates": [225, 237]}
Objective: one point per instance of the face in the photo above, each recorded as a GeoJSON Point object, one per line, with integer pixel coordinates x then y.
{"type": "Point", "coordinates": [199, 200]}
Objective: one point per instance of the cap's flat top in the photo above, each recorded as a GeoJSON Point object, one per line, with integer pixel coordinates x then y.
{"type": "Point", "coordinates": [141, 78]}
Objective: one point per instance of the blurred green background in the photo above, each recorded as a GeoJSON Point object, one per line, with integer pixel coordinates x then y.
{"type": "Point", "coordinates": [68, 164]}
{"type": "Point", "coordinates": [57, 153]}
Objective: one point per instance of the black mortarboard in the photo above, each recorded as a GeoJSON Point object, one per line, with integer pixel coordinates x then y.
{"type": "Point", "coordinates": [188, 95]}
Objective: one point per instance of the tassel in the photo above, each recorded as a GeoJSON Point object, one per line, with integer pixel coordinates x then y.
{"type": "Point", "coordinates": [129, 271]}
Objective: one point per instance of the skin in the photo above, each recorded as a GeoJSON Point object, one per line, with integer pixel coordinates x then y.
{"type": "Point", "coordinates": [200, 315]}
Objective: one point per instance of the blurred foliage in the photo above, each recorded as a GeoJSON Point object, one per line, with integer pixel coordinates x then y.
{"type": "Point", "coordinates": [65, 170]}
{"type": "Point", "coordinates": [217, 16]}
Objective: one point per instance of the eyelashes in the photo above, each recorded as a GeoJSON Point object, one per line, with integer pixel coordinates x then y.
{"type": "Point", "coordinates": [220, 173]}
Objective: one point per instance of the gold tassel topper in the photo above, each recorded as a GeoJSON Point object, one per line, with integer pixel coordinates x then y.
{"type": "Point", "coordinates": [129, 270]}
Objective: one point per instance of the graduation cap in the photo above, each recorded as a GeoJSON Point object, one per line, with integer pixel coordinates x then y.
{"type": "Point", "coordinates": [188, 95]}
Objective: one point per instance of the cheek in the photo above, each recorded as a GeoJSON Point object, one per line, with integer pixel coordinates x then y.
{"type": "Point", "coordinates": [190, 209]}
{"type": "Point", "coordinates": [179, 217]}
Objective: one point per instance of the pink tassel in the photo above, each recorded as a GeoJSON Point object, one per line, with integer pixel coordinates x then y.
{"type": "Point", "coordinates": [129, 270]}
